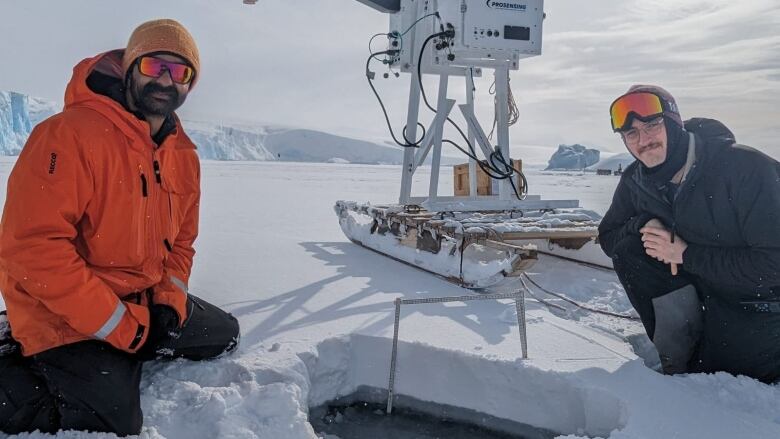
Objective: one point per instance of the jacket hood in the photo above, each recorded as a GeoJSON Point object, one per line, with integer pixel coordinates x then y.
{"type": "Point", "coordinates": [712, 138]}
{"type": "Point", "coordinates": [79, 94]}
{"type": "Point", "coordinates": [710, 131]}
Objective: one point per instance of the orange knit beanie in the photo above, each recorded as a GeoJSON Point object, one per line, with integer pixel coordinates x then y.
{"type": "Point", "coordinates": [164, 35]}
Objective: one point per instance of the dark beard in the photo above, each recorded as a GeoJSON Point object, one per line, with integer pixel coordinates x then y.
{"type": "Point", "coordinates": [147, 104]}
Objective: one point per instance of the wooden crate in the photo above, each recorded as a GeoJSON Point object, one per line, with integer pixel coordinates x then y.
{"type": "Point", "coordinates": [484, 183]}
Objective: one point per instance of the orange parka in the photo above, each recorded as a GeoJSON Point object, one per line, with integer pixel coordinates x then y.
{"type": "Point", "coordinates": [96, 213]}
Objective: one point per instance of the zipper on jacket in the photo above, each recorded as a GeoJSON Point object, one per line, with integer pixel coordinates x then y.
{"type": "Point", "coordinates": [158, 178]}
{"type": "Point", "coordinates": [156, 233]}
{"type": "Point", "coordinates": [157, 174]}
{"type": "Point", "coordinates": [141, 223]}
{"type": "Point", "coordinates": [152, 214]}
{"type": "Point", "coordinates": [144, 189]}
{"type": "Point", "coordinates": [170, 221]}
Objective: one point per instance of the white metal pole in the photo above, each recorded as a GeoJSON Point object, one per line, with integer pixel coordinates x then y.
{"type": "Point", "coordinates": [471, 136]}
{"type": "Point", "coordinates": [436, 156]}
{"type": "Point", "coordinates": [413, 113]}
{"type": "Point", "coordinates": [407, 171]}
{"type": "Point", "coordinates": [502, 128]}
{"type": "Point", "coordinates": [394, 356]}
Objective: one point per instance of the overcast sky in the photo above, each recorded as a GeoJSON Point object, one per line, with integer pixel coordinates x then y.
{"type": "Point", "coordinates": [301, 62]}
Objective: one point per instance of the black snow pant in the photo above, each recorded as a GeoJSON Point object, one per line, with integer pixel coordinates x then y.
{"type": "Point", "coordinates": [91, 386]}
{"type": "Point", "coordinates": [695, 327]}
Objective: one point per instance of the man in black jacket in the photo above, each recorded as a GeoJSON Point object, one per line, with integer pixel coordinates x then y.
{"type": "Point", "coordinates": [694, 234]}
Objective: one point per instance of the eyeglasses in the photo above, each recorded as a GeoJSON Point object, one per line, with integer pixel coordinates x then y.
{"type": "Point", "coordinates": [642, 104]}
{"type": "Point", "coordinates": [650, 129]}
{"type": "Point", "coordinates": [155, 67]}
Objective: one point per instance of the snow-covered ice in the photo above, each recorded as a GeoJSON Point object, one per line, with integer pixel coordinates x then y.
{"type": "Point", "coordinates": [317, 319]}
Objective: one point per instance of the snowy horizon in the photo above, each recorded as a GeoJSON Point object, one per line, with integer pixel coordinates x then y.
{"type": "Point", "coordinates": [234, 142]}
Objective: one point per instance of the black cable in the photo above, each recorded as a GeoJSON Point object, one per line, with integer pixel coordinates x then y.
{"type": "Point", "coordinates": [419, 20]}
{"type": "Point", "coordinates": [419, 66]}
{"type": "Point", "coordinates": [485, 168]}
{"type": "Point", "coordinates": [503, 161]}
{"type": "Point", "coordinates": [372, 40]}
{"type": "Point", "coordinates": [542, 301]}
{"type": "Point", "coordinates": [575, 303]}
{"type": "Point", "coordinates": [408, 143]}
{"type": "Point", "coordinates": [490, 169]}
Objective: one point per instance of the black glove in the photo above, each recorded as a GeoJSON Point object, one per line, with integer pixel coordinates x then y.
{"type": "Point", "coordinates": [163, 325]}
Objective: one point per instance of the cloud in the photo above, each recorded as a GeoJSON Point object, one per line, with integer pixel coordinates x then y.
{"type": "Point", "coordinates": [302, 62]}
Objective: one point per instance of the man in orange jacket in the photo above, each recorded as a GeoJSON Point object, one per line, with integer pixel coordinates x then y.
{"type": "Point", "coordinates": [96, 243]}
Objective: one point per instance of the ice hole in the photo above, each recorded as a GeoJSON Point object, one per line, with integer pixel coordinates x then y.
{"type": "Point", "coordinates": [510, 399]}
{"type": "Point", "coordinates": [363, 415]}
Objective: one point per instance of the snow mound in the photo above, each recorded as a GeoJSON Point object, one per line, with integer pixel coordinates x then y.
{"type": "Point", "coordinates": [267, 392]}
{"type": "Point", "coordinates": [256, 395]}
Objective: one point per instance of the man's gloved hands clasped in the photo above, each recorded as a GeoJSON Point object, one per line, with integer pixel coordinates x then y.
{"type": "Point", "coordinates": [163, 325]}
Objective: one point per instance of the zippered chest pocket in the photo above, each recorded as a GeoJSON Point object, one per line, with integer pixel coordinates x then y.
{"type": "Point", "coordinates": [180, 186]}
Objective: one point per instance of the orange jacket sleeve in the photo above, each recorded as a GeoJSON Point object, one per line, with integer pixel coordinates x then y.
{"type": "Point", "coordinates": [49, 190]}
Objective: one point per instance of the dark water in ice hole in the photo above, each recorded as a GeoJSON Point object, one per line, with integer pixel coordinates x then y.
{"type": "Point", "coordinates": [353, 418]}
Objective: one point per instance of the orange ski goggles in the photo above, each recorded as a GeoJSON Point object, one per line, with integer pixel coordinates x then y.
{"type": "Point", "coordinates": [155, 67]}
{"type": "Point", "coordinates": [642, 104]}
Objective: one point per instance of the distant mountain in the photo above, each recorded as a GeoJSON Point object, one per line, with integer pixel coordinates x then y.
{"type": "Point", "coordinates": [223, 142]}
{"type": "Point", "coordinates": [573, 157]}
{"type": "Point", "coordinates": [20, 113]}
{"type": "Point", "coordinates": [236, 142]}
